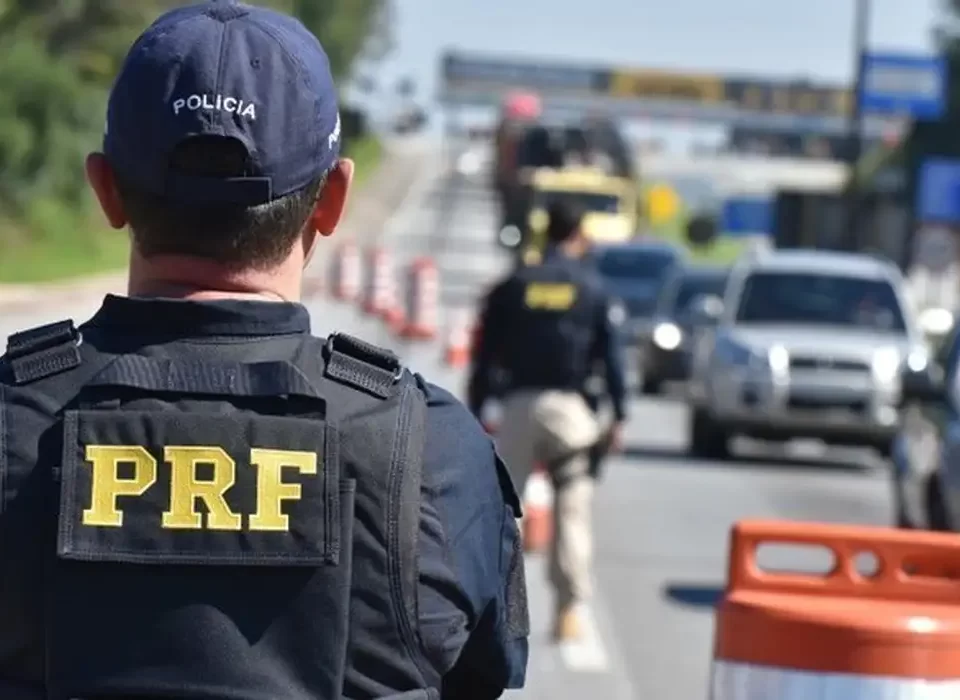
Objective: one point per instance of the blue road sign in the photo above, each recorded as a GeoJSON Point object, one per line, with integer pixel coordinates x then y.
{"type": "Point", "coordinates": [938, 191]}
{"type": "Point", "coordinates": [902, 85]}
{"type": "Point", "coordinates": [746, 216]}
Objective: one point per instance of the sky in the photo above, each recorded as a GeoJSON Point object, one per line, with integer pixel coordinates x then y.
{"type": "Point", "coordinates": [764, 38]}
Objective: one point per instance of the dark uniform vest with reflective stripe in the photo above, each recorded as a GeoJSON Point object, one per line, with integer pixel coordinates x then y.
{"type": "Point", "coordinates": [211, 530]}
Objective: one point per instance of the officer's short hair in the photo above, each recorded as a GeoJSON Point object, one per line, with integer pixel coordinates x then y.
{"type": "Point", "coordinates": [564, 219]}
{"type": "Point", "coordinates": [240, 236]}
{"type": "Point", "coordinates": [222, 154]}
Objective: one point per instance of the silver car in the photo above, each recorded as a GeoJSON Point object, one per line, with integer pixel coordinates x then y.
{"type": "Point", "coordinates": [808, 344]}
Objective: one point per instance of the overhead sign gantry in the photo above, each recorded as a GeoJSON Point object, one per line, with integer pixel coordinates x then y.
{"type": "Point", "coordinates": [476, 79]}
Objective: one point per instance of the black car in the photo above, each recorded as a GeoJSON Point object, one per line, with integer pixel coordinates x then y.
{"type": "Point", "coordinates": [926, 451]}
{"type": "Point", "coordinates": [635, 273]}
{"type": "Point", "coordinates": [666, 351]}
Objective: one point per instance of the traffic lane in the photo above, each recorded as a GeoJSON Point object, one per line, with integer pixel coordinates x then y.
{"type": "Point", "coordinates": [662, 524]}
{"type": "Point", "coordinates": [455, 227]}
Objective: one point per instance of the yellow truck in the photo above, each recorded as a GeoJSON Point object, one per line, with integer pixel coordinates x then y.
{"type": "Point", "coordinates": [612, 205]}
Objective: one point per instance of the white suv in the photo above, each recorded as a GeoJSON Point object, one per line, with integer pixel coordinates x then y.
{"type": "Point", "coordinates": [808, 343]}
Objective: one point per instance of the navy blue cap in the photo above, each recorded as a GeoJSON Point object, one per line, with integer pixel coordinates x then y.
{"type": "Point", "coordinates": [222, 68]}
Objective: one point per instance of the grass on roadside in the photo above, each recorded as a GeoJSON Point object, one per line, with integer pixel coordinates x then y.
{"type": "Point", "coordinates": [366, 154]}
{"type": "Point", "coordinates": [62, 244]}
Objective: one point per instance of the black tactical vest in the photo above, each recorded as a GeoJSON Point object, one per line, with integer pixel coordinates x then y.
{"type": "Point", "coordinates": [551, 316]}
{"type": "Point", "coordinates": [214, 530]}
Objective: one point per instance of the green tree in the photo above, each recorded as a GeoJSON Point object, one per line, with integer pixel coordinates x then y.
{"type": "Point", "coordinates": [58, 59]}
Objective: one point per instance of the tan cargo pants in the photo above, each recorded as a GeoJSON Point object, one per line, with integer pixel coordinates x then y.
{"type": "Point", "coordinates": [556, 428]}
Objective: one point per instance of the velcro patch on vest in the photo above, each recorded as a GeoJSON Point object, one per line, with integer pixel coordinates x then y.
{"type": "Point", "coordinates": [186, 488]}
{"type": "Point", "coordinates": [550, 296]}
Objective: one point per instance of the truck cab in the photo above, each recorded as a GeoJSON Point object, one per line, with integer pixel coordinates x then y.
{"type": "Point", "coordinates": [610, 203]}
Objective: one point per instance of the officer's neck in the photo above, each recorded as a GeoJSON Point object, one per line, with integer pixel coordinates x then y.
{"type": "Point", "coordinates": [180, 277]}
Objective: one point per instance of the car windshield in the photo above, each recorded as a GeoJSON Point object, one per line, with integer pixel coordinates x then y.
{"type": "Point", "coordinates": [589, 201]}
{"type": "Point", "coordinates": [779, 297]}
{"type": "Point", "coordinates": [635, 263]}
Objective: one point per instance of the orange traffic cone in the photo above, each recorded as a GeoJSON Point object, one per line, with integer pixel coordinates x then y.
{"type": "Point", "coordinates": [346, 273]}
{"type": "Point", "coordinates": [423, 300]}
{"type": "Point", "coordinates": [376, 301]}
{"type": "Point", "coordinates": [457, 353]}
{"type": "Point", "coordinates": [537, 523]}
{"type": "Point", "coordinates": [393, 313]}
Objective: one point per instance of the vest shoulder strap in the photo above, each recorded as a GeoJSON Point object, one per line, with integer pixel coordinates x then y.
{"type": "Point", "coordinates": [54, 360]}
{"type": "Point", "coordinates": [44, 351]}
{"type": "Point", "coordinates": [379, 372]}
{"type": "Point", "coordinates": [351, 361]}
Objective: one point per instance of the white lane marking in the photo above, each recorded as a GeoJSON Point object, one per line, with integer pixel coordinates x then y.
{"type": "Point", "coordinates": [588, 653]}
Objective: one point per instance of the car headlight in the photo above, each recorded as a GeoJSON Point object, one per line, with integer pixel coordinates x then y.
{"type": "Point", "coordinates": [617, 314]}
{"type": "Point", "coordinates": [886, 364]}
{"type": "Point", "coordinates": [511, 236]}
{"type": "Point", "coordinates": [779, 359]}
{"type": "Point", "coordinates": [918, 359]}
{"type": "Point", "coordinates": [935, 321]}
{"type": "Point", "coordinates": [667, 336]}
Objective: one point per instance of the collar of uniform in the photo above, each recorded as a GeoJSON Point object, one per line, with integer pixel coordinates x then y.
{"type": "Point", "coordinates": [158, 316]}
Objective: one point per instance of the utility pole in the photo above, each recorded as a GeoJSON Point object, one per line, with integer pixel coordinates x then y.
{"type": "Point", "coordinates": [861, 38]}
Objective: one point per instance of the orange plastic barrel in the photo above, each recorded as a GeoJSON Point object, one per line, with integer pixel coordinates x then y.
{"type": "Point", "coordinates": [891, 635]}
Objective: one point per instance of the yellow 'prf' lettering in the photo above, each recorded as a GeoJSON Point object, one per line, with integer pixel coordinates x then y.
{"type": "Point", "coordinates": [186, 489]}
{"type": "Point", "coordinates": [106, 485]}
{"type": "Point", "coordinates": [550, 296]}
{"type": "Point", "coordinates": [272, 490]}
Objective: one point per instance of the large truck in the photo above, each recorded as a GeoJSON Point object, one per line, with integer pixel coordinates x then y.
{"type": "Point", "coordinates": [527, 141]}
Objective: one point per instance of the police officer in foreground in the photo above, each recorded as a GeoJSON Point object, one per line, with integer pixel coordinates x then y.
{"type": "Point", "coordinates": [199, 498]}
{"type": "Point", "coordinates": [544, 328]}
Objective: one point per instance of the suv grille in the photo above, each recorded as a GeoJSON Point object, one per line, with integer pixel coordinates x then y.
{"type": "Point", "coordinates": [828, 363]}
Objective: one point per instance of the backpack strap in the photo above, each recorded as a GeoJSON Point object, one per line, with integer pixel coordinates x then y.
{"type": "Point", "coordinates": [44, 351]}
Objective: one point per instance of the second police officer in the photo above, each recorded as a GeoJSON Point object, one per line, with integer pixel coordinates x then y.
{"type": "Point", "coordinates": [543, 331]}
{"type": "Point", "coordinates": [198, 498]}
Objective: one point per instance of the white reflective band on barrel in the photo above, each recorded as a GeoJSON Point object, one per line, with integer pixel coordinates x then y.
{"type": "Point", "coordinates": [736, 681]}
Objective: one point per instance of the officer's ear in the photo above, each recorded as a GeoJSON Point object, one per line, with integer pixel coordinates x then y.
{"type": "Point", "coordinates": [333, 199]}
{"type": "Point", "coordinates": [104, 185]}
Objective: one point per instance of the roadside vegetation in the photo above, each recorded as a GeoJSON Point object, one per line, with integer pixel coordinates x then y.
{"type": "Point", "coordinates": [57, 60]}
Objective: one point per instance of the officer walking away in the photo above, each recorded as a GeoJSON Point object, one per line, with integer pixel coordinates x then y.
{"type": "Point", "coordinates": [544, 328]}
{"type": "Point", "coordinates": [198, 498]}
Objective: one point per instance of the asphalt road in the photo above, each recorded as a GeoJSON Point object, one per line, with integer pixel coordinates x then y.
{"type": "Point", "coordinates": [661, 520]}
